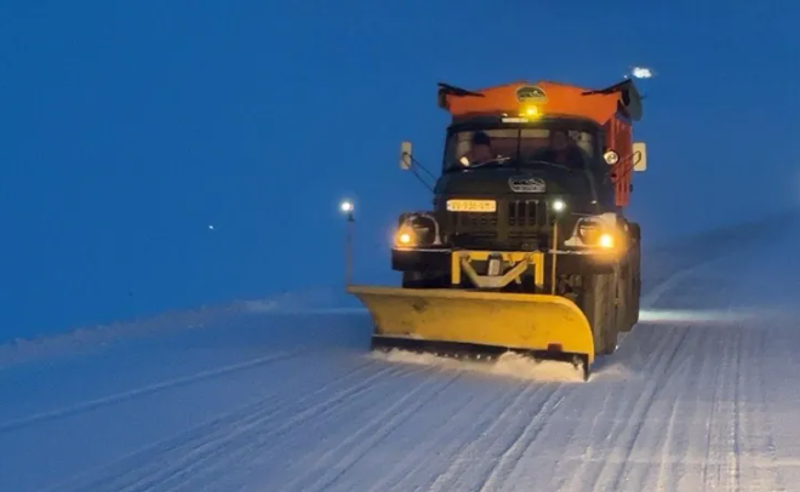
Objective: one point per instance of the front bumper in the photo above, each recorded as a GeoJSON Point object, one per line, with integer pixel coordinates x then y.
{"type": "Point", "coordinates": [567, 261]}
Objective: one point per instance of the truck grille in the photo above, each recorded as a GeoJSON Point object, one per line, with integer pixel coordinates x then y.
{"type": "Point", "coordinates": [469, 220]}
{"type": "Point", "coordinates": [517, 223]}
{"type": "Point", "coordinates": [526, 213]}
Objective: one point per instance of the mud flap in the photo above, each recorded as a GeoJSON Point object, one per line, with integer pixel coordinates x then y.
{"type": "Point", "coordinates": [475, 322]}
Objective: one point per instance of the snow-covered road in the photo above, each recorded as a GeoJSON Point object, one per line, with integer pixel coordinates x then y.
{"type": "Point", "coordinates": [702, 395]}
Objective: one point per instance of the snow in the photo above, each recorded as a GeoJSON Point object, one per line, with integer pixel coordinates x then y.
{"type": "Point", "coordinates": [282, 394]}
{"type": "Point", "coordinates": [511, 365]}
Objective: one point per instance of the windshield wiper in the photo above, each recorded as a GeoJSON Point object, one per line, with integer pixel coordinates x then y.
{"type": "Point", "coordinates": [497, 160]}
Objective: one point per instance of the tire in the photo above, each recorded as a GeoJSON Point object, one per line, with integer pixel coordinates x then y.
{"type": "Point", "coordinates": [636, 272]}
{"type": "Point", "coordinates": [626, 297]}
{"type": "Point", "coordinates": [598, 303]}
{"type": "Point", "coordinates": [636, 293]}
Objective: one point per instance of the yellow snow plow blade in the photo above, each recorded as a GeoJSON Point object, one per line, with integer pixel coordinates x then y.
{"type": "Point", "coordinates": [478, 322]}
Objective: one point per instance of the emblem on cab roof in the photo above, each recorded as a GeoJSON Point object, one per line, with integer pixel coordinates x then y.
{"type": "Point", "coordinates": [527, 185]}
{"type": "Point", "coordinates": [531, 93]}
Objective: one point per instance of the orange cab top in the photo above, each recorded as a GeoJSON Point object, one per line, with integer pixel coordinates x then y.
{"type": "Point", "coordinates": [543, 98]}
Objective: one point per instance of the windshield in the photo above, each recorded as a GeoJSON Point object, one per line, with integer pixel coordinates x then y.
{"type": "Point", "coordinates": [569, 149]}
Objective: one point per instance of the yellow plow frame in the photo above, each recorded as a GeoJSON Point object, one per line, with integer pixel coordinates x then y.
{"type": "Point", "coordinates": [480, 322]}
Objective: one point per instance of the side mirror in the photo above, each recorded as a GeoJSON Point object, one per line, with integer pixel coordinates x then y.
{"type": "Point", "coordinates": [405, 156]}
{"type": "Point", "coordinates": [639, 156]}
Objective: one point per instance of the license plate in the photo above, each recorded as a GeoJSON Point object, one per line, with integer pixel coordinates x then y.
{"type": "Point", "coordinates": [484, 206]}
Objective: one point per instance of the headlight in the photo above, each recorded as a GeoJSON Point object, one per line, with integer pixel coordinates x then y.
{"type": "Point", "coordinates": [595, 232]}
{"type": "Point", "coordinates": [606, 241]}
{"type": "Point", "coordinates": [589, 231]}
{"type": "Point", "coordinates": [417, 230]}
{"type": "Point", "coordinates": [405, 237]}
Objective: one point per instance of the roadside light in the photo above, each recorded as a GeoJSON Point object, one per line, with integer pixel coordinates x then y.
{"type": "Point", "coordinates": [347, 207]}
{"type": "Point", "coordinates": [606, 241]}
{"type": "Point", "coordinates": [559, 206]}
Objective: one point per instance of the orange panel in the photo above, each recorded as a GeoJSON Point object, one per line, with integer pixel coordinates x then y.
{"type": "Point", "coordinates": [551, 98]}
{"type": "Point", "coordinates": [622, 173]}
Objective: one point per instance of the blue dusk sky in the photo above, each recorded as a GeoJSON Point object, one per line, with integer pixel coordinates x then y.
{"type": "Point", "coordinates": [127, 128]}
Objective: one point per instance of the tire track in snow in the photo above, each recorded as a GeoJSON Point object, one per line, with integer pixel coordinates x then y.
{"type": "Point", "coordinates": [722, 431]}
{"type": "Point", "coordinates": [651, 464]}
{"type": "Point", "coordinates": [688, 467]}
{"type": "Point", "coordinates": [647, 342]}
{"type": "Point", "coordinates": [777, 481]}
{"type": "Point", "coordinates": [579, 432]}
{"type": "Point", "coordinates": [711, 422]}
{"type": "Point", "coordinates": [272, 451]}
{"type": "Point", "coordinates": [691, 379]}
{"type": "Point", "coordinates": [734, 455]}
{"type": "Point", "coordinates": [242, 448]}
{"type": "Point", "coordinates": [628, 418]}
{"type": "Point", "coordinates": [226, 451]}
{"type": "Point", "coordinates": [661, 366]}
{"type": "Point", "coordinates": [490, 412]}
{"type": "Point", "coordinates": [373, 432]}
{"type": "Point", "coordinates": [716, 420]}
{"type": "Point", "coordinates": [463, 460]}
{"type": "Point", "coordinates": [512, 455]}
{"type": "Point", "coordinates": [169, 384]}
{"type": "Point", "coordinates": [147, 465]}
{"type": "Point", "coordinates": [631, 432]}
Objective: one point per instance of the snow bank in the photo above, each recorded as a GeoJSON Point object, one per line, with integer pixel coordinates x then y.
{"type": "Point", "coordinates": [22, 349]}
{"type": "Point", "coordinates": [303, 302]}
{"type": "Point", "coordinates": [660, 262]}
{"type": "Point", "coordinates": [320, 299]}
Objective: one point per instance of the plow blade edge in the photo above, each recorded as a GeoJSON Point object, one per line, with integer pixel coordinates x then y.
{"type": "Point", "coordinates": [462, 322]}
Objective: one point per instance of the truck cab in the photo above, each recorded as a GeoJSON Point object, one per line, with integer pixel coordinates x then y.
{"type": "Point", "coordinates": [527, 167]}
{"type": "Point", "coordinates": [526, 172]}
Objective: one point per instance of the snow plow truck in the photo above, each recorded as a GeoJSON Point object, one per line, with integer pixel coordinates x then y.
{"type": "Point", "coordinates": [527, 247]}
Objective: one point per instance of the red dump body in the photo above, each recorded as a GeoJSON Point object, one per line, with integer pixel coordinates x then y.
{"type": "Point", "coordinates": [613, 108]}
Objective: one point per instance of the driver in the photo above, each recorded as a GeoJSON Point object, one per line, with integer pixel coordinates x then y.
{"type": "Point", "coordinates": [481, 150]}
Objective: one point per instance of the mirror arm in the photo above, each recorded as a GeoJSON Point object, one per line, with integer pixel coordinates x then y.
{"type": "Point", "coordinates": [627, 170]}
{"type": "Point", "coordinates": [419, 164]}
{"type": "Point", "coordinates": [413, 169]}
{"type": "Point", "coordinates": [408, 163]}
{"type": "Point", "coordinates": [424, 183]}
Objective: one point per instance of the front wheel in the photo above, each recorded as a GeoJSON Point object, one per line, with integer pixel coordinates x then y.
{"type": "Point", "coordinates": [628, 307]}
{"type": "Point", "coordinates": [598, 301]}
{"type": "Point", "coordinates": [636, 272]}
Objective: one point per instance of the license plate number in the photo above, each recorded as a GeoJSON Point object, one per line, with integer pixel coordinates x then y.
{"type": "Point", "coordinates": [485, 206]}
